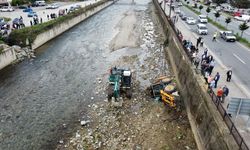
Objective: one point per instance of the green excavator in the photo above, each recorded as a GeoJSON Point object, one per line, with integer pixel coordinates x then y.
{"type": "Point", "coordinates": [120, 81]}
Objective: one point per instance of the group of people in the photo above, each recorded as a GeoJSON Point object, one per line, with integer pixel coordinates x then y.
{"type": "Point", "coordinates": [207, 64]}
{"type": "Point", "coordinates": [35, 21]}
{"type": "Point", "coordinates": [18, 23]}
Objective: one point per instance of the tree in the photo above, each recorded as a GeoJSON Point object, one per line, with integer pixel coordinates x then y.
{"type": "Point", "coordinates": [217, 15]}
{"type": "Point", "coordinates": [240, 3]}
{"type": "Point", "coordinates": [200, 7]}
{"type": "Point", "coordinates": [228, 20]}
{"type": "Point", "coordinates": [208, 10]}
{"type": "Point", "coordinates": [243, 27]}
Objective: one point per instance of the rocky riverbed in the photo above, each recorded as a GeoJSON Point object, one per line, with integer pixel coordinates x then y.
{"type": "Point", "coordinates": [141, 122]}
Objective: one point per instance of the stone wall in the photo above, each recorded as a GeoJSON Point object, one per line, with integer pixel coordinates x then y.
{"type": "Point", "coordinates": [59, 29]}
{"type": "Point", "coordinates": [210, 131]}
{"type": "Point", "coordinates": [7, 56]}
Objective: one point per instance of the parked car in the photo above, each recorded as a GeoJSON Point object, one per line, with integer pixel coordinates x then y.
{"type": "Point", "coordinates": [28, 10]}
{"type": "Point", "coordinates": [179, 4]}
{"type": "Point", "coordinates": [53, 6]}
{"type": "Point", "coordinates": [245, 18]}
{"type": "Point", "coordinates": [23, 7]}
{"type": "Point", "coordinates": [184, 17]}
{"type": "Point", "coordinates": [181, 14]}
{"type": "Point", "coordinates": [32, 14]}
{"type": "Point", "coordinates": [227, 36]}
{"type": "Point", "coordinates": [6, 9]}
{"type": "Point", "coordinates": [177, 10]}
{"type": "Point", "coordinates": [2, 20]}
{"type": "Point", "coordinates": [202, 29]}
{"type": "Point", "coordinates": [191, 20]}
{"type": "Point", "coordinates": [38, 3]}
{"type": "Point", "coordinates": [202, 19]}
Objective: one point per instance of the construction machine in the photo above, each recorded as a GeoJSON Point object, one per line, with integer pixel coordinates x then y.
{"type": "Point", "coordinates": [163, 90]}
{"type": "Point", "coordinates": [119, 82]}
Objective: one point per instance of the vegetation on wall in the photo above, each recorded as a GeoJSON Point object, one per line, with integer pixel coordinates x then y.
{"type": "Point", "coordinates": [20, 37]}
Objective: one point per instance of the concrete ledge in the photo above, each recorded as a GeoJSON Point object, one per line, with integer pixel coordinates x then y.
{"type": "Point", "coordinates": [7, 55]}
{"type": "Point", "coordinates": [210, 131]}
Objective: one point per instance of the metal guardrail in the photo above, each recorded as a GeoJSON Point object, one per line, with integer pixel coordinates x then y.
{"type": "Point", "coordinates": [232, 128]}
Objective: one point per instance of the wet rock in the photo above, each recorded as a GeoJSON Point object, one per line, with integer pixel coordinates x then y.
{"type": "Point", "coordinates": [85, 122]}
{"type": "Point", "coordinates": [61, 142]}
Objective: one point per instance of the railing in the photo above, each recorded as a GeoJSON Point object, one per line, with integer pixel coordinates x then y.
{"type": "Point", "coordinates": [232, 128]}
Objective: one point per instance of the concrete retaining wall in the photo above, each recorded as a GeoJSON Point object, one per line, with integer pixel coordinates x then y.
{"type": "Point", "coordinates": [210, 131]}
{"type": "Point", "coordinates": [59, 29]}
{"type": "Point", "coordinates": [7, 56]}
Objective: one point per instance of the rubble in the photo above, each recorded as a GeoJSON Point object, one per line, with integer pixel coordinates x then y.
{"type": "Point", "coordinates": [21, 53]}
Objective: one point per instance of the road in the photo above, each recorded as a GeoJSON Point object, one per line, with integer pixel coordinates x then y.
{"type": "Point", "coordinates": [232, 55]}
{"type": "Point", "coordinates": [42, 12]}
{"type": "Point", "coordinates": [234, 25]}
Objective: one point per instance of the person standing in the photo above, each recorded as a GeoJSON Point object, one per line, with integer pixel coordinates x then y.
{"type": "Point", "coordinates": [205, 51]}
{"type": "Point", "coordinates": [41, 20]}
{"type": "Point", "coordinates": [48, 17]}
{"type": "Point", "coordinates": [30, 22]}
{"type": "Point", "coordinates": [229, 75]}
{"type": "Point", "coordinates": [214, 36]}
{"type": "Point", "coordinates": [212, 84]}
{"type": "Point", "coordinates": [211, 66]}
{"type": "Point", "coordinates": [198, 41]}
{"type": "Point", "coordinates": [216, 79]}
{"type": "Point", "coordinates": [219, 93]}
{"type": "Point", "coordinates": [225, 93]}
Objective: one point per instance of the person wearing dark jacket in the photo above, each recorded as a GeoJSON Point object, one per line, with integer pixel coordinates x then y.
{"type": "Point", "coordinates": [229, 75]}
{"type": "Point", "coordinates": [225, 93]}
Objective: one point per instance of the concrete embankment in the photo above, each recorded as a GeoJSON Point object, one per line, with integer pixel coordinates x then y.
{"type": "Point", "coordinates": [60, 28]}
{"type": "Point", "coordinates": [211, 133]}
{"type": "Point", "coordinates": [7, 56]}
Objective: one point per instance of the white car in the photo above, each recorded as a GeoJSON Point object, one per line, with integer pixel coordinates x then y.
{"type": "Point", "coordinates": [6, 9]}
{"type": "Point", "coordinates": [202, 19]}
{"type": "Point", "coordinates": [190, 20]}
{"type": "Point", "coordinates": [179, 4]}
{"type": "Point", "coordinates": [202, 29]}
{"type": "Point", "coordinates": [177, 11]}
{"type": "Point", "coordinates": [52, 6]}
{"type": "Point", "coordinates": [245, 18]}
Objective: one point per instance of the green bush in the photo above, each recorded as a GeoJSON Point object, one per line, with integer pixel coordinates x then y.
{"type": "Point", "coordinates": [19, 37]}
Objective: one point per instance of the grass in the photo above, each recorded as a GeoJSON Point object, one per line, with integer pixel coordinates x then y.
{"type": "Point", "coordinates": [217, 24]}
{"type": "Point", "coordinates": [221, 27]}
{"type": "Point", "coordinates": [242, 40]}
{"type": "Point", "coordinates": [19, 37]}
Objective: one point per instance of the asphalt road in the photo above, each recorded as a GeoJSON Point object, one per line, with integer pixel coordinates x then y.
{"type": "Point", "coordinates": [234, 25]}
{"type": "Point", "coordinates": [232, 55]}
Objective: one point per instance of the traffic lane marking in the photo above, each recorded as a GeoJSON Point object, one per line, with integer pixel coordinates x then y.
{"type": "Point", "coordinates": [239, 58]}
